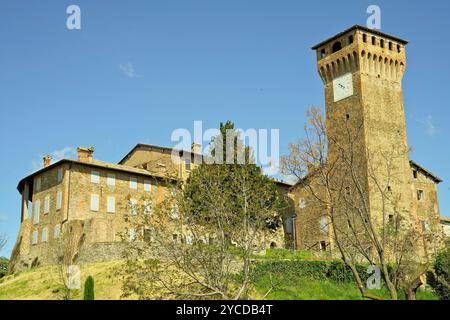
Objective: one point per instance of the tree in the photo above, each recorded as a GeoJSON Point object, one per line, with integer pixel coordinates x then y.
{"type": "Point", "coordinates": [3, 266]}
{"type": "Point", "coordinates": [3, 241]}
{"type": "Point", "coordinates": [89, 289]}
{"type": "Point", "coordinates": [329, 167]}
{"type": "Point", "coordinates": [439, 276]}
{"type": "Point", "coordinates": [203, 235]}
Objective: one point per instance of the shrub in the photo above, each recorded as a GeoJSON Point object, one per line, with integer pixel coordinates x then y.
{"type": "Point", "coordinates": [439, 278]}
{"type": "Point", "coordinates": [89, 289]}
{"type": "Point", "coordinates": [3, 266]}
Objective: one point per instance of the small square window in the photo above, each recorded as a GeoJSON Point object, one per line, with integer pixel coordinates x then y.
{"type": "Point", "coordinates": [133, 183]}
{"type": "Point", "coordinates": [94, 202]}
{"type": "Point", "coordinates": [95, 177]}
{"type": "Point", "coordinates": [111, 180]}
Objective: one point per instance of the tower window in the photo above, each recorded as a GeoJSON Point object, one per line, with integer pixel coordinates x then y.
{"type": "Point", "coordinates": [391, 218]}
{"type": "Point", "coordinates": [347, 116]}
{"type": "Point", "coordinates": [350, 39]}
{"type": "Point", "coordinates": [420, 195]}
{"type": "Point", "coordinates": [415, 174]}
{"type": "Point", "coordinates": [337, 46]}
{"type": "Point", "coordinates": [399, 49]}
{"type": "Point", "coordinates": [382, 43]}
{"type": "Point", "coordinates": [364, 38]}
{"type": "Point", "coordinates": [323, 246]}
{"type": "Point", "coordinates": [390, 45]}
{"type": "Point", "coordinates": [322, 53]}
{"type": "Point", "coordinates": [373, 40]}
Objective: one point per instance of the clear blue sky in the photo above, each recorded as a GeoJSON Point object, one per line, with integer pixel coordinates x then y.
{"type": "Point", "coordinates": [139, 69]}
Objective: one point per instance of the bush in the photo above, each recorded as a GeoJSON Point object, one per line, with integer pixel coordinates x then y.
{"type": "Point", "coordinates": [3, 266]}
{"type": "Point", "coordinates": [89, 289]}
{"type": "Point", "coordinates": [439, 280]}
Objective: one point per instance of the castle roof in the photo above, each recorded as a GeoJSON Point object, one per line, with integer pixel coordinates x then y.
{"type": "Point", "coordinates": [425, 171]}
{"type": "Point", "coordinates": [359, 27]}
{"type": "Point", "coordinates": [95, 164]}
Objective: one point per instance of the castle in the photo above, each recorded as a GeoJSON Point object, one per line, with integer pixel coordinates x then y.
{"type": "Point", "coordinates": [362, 72]}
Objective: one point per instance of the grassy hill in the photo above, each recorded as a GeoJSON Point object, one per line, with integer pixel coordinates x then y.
{"type": "Point", "coordinates": [44, 284]}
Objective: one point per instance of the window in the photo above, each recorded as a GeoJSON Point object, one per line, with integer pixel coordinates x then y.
{"type": "Point", "coordinates": [364, 38]}
{"type": "Point", "coordinates": [350, 39]}
{"type": "Point", "coordinates": [336, 47]}
{"type": "Point", "coordinates": [38, 184]}
{"type": "Point", "coordinates": [95, 177]}
{"type": "Point", "coordinates": [111, 180]}
{"type": "Point", "coordinates": [175, 238]}
{"type": "Point", "coordinates": [58, 200]}
{"type": "Point", "coordinates": [37, 208]}
{"type": "Point", "coordinates": [425, 226]}
{"type": "Point", "coordinates": [111, 205]}
{"type": "Point", "coordinates": [147, 207]}
{"type": "Point", "coordinates": [132, 235]}
{"type": "Point", "coordinates": [94, 202]}
{"type": "Point", "coordinates": [323, 245]}
{"type": "Point", "coordinates": [59, 174]}
{"type": "Point", "coordinates": [133, 207]}
{"type": "Point", "coordinates": [45, 234]}
{"type": "Point", "coordinates": [420, 195]}
{"type": "Point", "coordinates": [302, 203]}
{"type": "Point", "coordinates": [323, 223]}
{"type": "Point", "coordinates": [390, 45]}
{"type": "Point", "coordinates": [174, 212]}
{"type": "Point", "coordinates": [46, 204]}
{"type": "Point", "coordinates": [133, 183]}
{"type": "Point", "coordinates": [322, 54]}
{"type": "Point", "coordinates": [374, 40]}
{"type": "Point", "coordinates": [391, 218]}
{"type": "Point", "coordinates": [34, 239]}
{"type": "Point", "coordinates": [147, 185]}
{"type": "Point", "coordinates": [399, 49]}
{"type": "Point", "coordinates": [382, 43]}
{"type": "Point", "coordinates": [57, 231]}
{"type": "Point", "coordinates": [189, 239]}
{"type": "Point", "coordinates": [415, 174]}
{"type": "Point", "coordinates": [187, 164]}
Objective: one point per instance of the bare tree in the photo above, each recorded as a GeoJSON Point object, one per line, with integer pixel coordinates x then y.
{"type": "Point", "coordinates": [3, 241]}
{"type": "Point", "coordinates": [339, 180]}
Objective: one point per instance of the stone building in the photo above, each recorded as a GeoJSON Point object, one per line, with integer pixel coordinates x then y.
{"type": "Point", "coordinates": [94, 196]}
{"type": "Point", "coordinates": [362, 71]}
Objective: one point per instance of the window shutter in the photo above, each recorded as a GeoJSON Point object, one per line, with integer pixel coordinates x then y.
{"type": "Point", "coordinates": [60, 174]}
{"type": "Point", "coordinates": [37, 206]}
{"type": "Point", "coordinates": [35, 238]}
{"type": "Point", "coordinates": [38, 184]}
{"type": "Point", "coordinates": [111, 204]}
{"type": "Point", "coordinates": [94, 202]}
{"type": "Point", "coordinates": [44, 234]}
{"type": "Point", "coordinates": [95, 177]}
{"type": "Point", "coordinates": [58, 200]}
{"type": "Point", "coordinates": [46, 204]}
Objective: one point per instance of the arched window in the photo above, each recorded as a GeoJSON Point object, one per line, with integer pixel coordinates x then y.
{"type": "Point", "coordinates": [322, 53]}
{"type": "Point", "coordinates": [350, 39]}
{"type": "Point", "coordinates": [337, 46]}
{"type": "Point", "coordinates": [373, 40]}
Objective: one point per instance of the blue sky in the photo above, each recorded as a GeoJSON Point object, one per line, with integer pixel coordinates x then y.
{"type": "Point", "coordinates": [137, 70]}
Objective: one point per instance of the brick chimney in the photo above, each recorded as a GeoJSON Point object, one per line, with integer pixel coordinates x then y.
{"type": "Point", "coordinates": [85, 154]}
{"type": "Point", "coordinates": [196, 148]}
{"type": "Point", "coordinates": [47, 160]}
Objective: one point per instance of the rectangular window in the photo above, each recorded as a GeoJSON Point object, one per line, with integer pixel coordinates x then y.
{"type": "Point", "coordinates": [147, 207]}
{"type": "Point", "coordinates": [57, 231]}
{"type": "Point", "coordinates": [323, 245]}
{"type": "Point", "coordinates": [111, 180]}
{"type": "Point", "coordinates": [95, 177]}
{"type": "Point", "coordinates": [38, 184]}
{"type": "Point", "coordinates": [323, 222]}
{"type": "Point", "coordinates": [415, 174]}
{"type": "Point", "coordinates": [425, 226]}
{"type": "Point", "coordinates": [34, 240]}
{"type": "Point", "coordinates": [45, 234]}
{"type": "Point", "coordinates": [58, 200]}
{"type": "Point", "coordinates": [60, 174]}
{"type": "Point", "coordinates": [187, 164]}
{"type": "Point", "coordinates": [111, 204]}
{"type": "Point", "coordinates": [132, 234]}
{"type": "Point", "coordinates": [46, 204]}
{"type": "Point", "coordinates": [37, 208]}
{"type": "Point", "coordinates": [133, 183]}
{"type": "Point", "coordinates": [94, 202]}
{"type": "Point", "coordinates": [420, 195]}
{"type": "Point", "coordinates": [147, 185]}
{"type": "Point", "coordinates": [133, 207]}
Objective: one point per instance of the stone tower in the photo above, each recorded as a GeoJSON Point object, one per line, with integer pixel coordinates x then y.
{"type": "Point", "coordinates": [362, 71]}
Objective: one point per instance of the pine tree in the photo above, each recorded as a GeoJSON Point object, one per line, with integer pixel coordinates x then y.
{"type": "Point", "coordinates": [89, 289]}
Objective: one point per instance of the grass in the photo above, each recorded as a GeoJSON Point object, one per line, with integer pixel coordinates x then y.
{"type": "Point", "coordinates": [43, 284]}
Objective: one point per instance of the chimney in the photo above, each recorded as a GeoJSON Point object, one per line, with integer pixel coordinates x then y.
{"type": "Point", "coordinates": [47, 160]}
{"type": "Point", "coordinates": [85, 154]}
{"type": "Point", "coordinates": [196, 148]}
